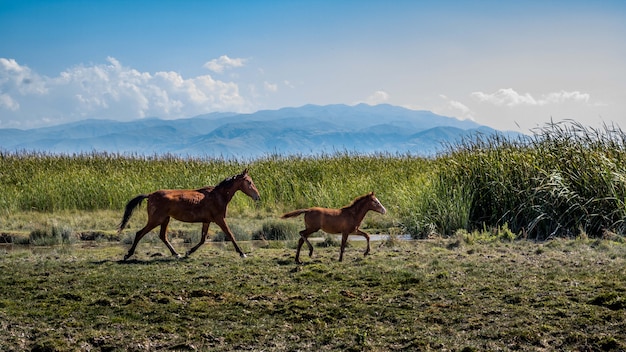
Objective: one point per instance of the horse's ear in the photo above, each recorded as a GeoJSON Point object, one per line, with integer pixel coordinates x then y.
{"type": "Point", "coordinates": [372, 193]}
{"type": "Point", "coordinates": [244, 172]}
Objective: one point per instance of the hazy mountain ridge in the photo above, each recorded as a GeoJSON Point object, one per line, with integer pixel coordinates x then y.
{"type": "Point", "coordinates": [310, 129]}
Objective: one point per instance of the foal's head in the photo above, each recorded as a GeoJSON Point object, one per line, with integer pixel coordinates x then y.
{"type": "Point", "coordinates": [246, 185]}
{"type": "Point", "coordinates": [374, 204]}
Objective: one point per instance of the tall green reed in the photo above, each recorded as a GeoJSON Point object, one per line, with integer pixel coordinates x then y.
{"type": "Point", "coordinates": [563, 180]}
{"type": "Point", "coordinates": [44, 182]}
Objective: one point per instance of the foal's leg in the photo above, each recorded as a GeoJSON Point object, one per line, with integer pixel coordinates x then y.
{"type": "Point", "coordinates": [222, 224]}
{"type": "Point", "coordinates": [367, 237]}
{"type": "Point", "coordinates": [205, 230]}
{"type": "Point", "coordinates": [300, 242]}
{"type": "Point", "coordinates": [163, 237]}
{"type": "Point", "coordinates": [344, 240]}
{"type": "Point", "coordinates": [304, 237]}
{"type": "Point", "coordinates": [149, 226]}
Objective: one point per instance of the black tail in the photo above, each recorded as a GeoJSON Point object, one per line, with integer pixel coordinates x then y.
{"type": "Point", "coordinates": [130, 207]}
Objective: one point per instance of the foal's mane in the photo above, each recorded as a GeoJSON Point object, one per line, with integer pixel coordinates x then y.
{"type": "Point", "coordinates": [358, 200]}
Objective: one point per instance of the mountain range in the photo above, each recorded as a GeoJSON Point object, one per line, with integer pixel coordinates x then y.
{"type": "Point", "coordinates": [306, 130]}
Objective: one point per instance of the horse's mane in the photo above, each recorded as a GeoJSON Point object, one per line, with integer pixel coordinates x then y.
{"type": "Point", "coordinates": [206, 189]}
{"type": "Point", "coordinates": [227, 182]}
{"type": "Point", "coordinates": [357, 200]}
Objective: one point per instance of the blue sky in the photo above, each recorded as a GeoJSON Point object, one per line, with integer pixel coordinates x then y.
{"type": "Point", "coordinates": [511, 65]}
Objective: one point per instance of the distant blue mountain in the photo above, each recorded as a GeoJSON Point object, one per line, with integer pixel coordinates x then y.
{"type": "Point", "coordinates": [307, 130]}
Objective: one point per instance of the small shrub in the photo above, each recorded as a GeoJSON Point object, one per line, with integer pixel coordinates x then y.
{"type": "Point", "coordinates": [329, 241]}
{"type": "Point", "coordinates": [417, 228]}
{"type": "Point", "coordinates": [503, 233]}
{"type": "Point", "coordinates": [6, 238]}
{"type": "Point", "coordinates": [393, 240]}
{"type": "Point", "coordinates": [191, 236]}
{"type": "Point", "coordinates": [23, 240]}
{"type": "Point", "coordinates": [150, 237]}
{"type": "Point", "coordinates": [277, 231]}
{"type": "Point", "coordinates": [56, 235]}
{"type": "Point", "coordinates": [238, 232]}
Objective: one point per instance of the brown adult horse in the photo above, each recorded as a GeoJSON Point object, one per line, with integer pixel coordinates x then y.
{"type": "Point", "coordinates": [205, 205]}
{"type": "Point", "coordinates": [345, 221]}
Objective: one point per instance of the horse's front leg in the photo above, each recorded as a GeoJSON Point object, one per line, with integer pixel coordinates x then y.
{"type": "Point", "coordinates": [222, 224]}
{"type": "Point", "coordinates": [367, 238]}
{"type": "Point", "coordinates": [205, 231]}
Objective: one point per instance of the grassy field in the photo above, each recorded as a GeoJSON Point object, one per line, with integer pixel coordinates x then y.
{"type": "Point", "coordinates": [468, 292]}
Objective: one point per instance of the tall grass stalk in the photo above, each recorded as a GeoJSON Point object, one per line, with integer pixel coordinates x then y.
{"type": "Point", "coordinates": [565, 179]}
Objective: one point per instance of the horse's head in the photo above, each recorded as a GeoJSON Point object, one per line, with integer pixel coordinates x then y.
{"type": "Point", "coordinates": [246, 185]}
{"type": "Point", "coordinates": [375, 204]}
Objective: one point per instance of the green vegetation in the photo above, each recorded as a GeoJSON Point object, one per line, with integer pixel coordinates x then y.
{"type": "Point", "coordinates": [471, 284]}
{"type": "Point", "coordinates": [566, 180]}
{"type": "Point", "coordinates": [463, 293]}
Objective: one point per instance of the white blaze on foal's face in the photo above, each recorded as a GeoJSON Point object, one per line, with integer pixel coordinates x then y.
{"type": "Point", "coordinates": [378, 206]}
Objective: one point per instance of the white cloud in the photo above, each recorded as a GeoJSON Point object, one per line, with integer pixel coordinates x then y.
{"type": "Point", "coordinates": [270, 87]}
{"type": "Point", "coordinates": [8, 103]}
{"type": "Point", "coordinates": [19, 79]}
{"type": "Point", "coordinates": [108, 90]}
{"type": "Point", "coordinates": [509, 97]}
{"type": "Point", "coordinates": [377, 97]}
{"type": "Point", "coordinates": [455, 108]}
{"type": "Point", "coordinates": [562, 96]}
{"type": "Point", "coordinates": [505, 96]}
{"type": "Point", "coordinates": [223, 62]}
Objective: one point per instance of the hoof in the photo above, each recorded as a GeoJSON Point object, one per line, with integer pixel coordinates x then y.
{"type": "Point", "coordinates": [243, 255]}
{"type": "Point", "coordinates": [126, 257]}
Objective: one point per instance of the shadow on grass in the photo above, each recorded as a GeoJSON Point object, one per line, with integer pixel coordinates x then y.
{"type": "Point", "coordinates": [134, 261]}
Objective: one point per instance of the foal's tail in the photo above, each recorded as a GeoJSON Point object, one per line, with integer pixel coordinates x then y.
{"type": "Point", "coordinates": [294, 213]}
{"type": "Point", "coordinates": [130, 207]}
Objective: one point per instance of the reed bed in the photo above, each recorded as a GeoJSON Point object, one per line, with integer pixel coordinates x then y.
{"type": "Point", "coordinates": [48, 183]}
{"type": "Point", "coordinates": [564, 180]}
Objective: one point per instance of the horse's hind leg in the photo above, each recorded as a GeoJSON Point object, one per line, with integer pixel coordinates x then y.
{"type": "Point", "coordinates": [205, 230]}
{"type": "Point", "coordinates": [344, 240]}
{"type": "Point", "coordinates": [138, 236]}
{"type": "Point", "coordinates": [163, 237]}
{"type": "Point", "coordinates": [304, 237]}
{"type": "Point", "coordinates": [300, 242]}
